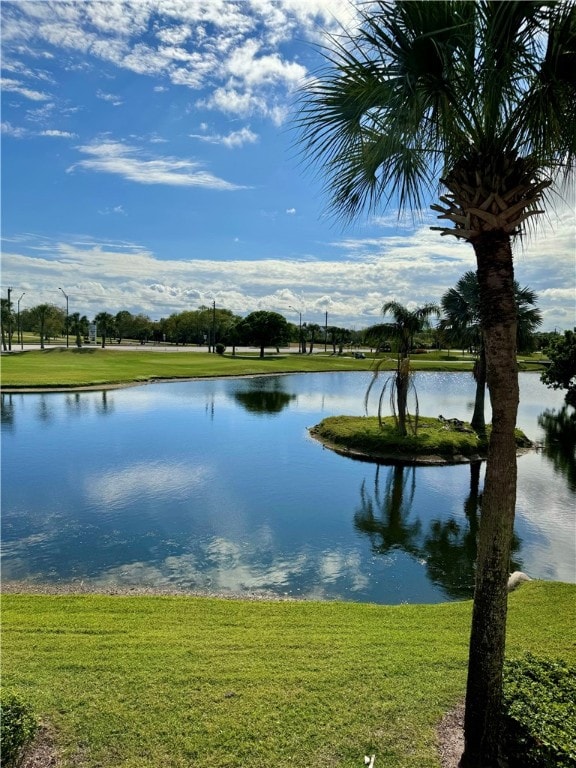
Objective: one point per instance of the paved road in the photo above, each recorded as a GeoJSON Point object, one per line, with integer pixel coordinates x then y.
{"type": "Point", "coordinates": [159, 348]}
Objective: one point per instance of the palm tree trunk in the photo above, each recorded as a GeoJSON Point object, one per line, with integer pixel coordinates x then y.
{"type": "Point", "coordinates": [482, 726]}
{"type": "Point", "coordinates": [478, 419]}
{"type": "Point", "coordinates": [402, 382]}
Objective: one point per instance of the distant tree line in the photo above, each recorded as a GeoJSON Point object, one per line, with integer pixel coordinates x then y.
{"type": "Point", "coordinates": [458, 327]}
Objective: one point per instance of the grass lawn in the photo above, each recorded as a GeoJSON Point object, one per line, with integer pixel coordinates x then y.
{"type": "Point", "coordinates": [138, 682]}
{"type": "Point", "coordinates": [59, 367]}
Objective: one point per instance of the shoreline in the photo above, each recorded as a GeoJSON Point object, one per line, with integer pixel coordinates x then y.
{"type": "Point", "coordinates": [390, 458]}
{"type": "Point", "coordinates": [32, 389]}
{"type": "Point", "coordinates": [75, 588]}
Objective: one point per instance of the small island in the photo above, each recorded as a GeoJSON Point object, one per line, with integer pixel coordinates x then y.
{"type": "Point", "coordinates": [437, 441]}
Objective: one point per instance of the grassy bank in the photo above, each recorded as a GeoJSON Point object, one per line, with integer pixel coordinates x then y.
{"type": "Point", "coordinates": [143, 682]}
{"type": "Point", "coordinates": [60, 367]}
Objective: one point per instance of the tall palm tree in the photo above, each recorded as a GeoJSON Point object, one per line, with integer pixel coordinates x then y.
{"type": "Point", "coordinates": [461, 307]}
{"type": "Point", "coordinates": [482, 98]}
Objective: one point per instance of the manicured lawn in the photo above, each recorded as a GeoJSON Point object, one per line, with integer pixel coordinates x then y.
{"type": "Point", "coordinates": [59, 367]}
{"type": "Point", "coordinates": [142, 682]}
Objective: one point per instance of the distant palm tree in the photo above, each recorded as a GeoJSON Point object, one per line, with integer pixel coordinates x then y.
{"type": "Point", "coordinates": [407, 323]}
{"type": "Point", "coordinates": [480, 97]}
{"type": "Point", "coordinates": [105, 324]}
{"type": "Point", "coordinates": [461, 307]}
{"type": "Point", "coordinates": [78, 326]}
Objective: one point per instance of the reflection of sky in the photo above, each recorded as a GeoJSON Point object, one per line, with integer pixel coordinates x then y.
{"type": "Point", "coordinates": [151, 479]}
{"type": "Point", "coordinates": [178, 485]}
{"type": "Point", "coordinates": [224, 565]}
{"type": "Point", "coordinates": [545, 516]}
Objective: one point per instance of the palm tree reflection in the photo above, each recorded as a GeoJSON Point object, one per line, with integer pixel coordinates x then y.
{"type": "Point", "coordinates": [383, 514]}
{"type": "Point", "coordinates": [450, 546]}
{"type": "Point", "coordinates": [447, 547]}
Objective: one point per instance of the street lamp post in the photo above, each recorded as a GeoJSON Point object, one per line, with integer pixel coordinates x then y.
{"type": "Point", "coordinates": [20, 334]}
{"type": "Point", "coordinates": [300, 345]}
{"type": "Point", "coordinates": [67, 331]}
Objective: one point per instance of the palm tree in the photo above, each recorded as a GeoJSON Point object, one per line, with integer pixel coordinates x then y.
{"type": "Point", "coordinates": [313, 331]}
{"type": "Point", "coordinates": [105, 324]}
{"type": "Point", "coordinates": [5, 313]}
{"type": "Point", "coordinates": [461, 306]}
{"type": "Point", "coordinates": [407, 323]}
{"type": "Point", "coordinates": [78, 326]}
{"type": "Point", "coordinates": [481, 97]}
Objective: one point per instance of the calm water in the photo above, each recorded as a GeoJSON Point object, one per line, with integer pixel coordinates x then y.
{"type": "Point", "coordinates": [217, 485]}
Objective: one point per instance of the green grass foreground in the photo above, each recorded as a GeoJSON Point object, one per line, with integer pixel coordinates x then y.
{"type": "Point", "coordinates": [142, 682]}
{"type": "Point", "coordinates": [364, 435]}
{"type": "Point", "coordinates": [60, 367]}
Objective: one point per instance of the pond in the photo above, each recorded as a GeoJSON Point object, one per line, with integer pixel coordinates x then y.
{"type": "Point", "coordinates": [216, 485]}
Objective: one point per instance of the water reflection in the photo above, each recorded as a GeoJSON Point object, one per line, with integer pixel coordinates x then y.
{"type": "Point", "coordinates": [264, 396]}
{"type": "Point", "coordinates": [560, 441]}
{"type": "Point", "coordinates": [105, 405]}
{"type": "Point", "coordinates": [447, 546]}
{"type": "Point", "coordinates": [383, 513]}
{"type": "Point", "coordinates": [216, 484]}
{"type": "Point", "coordinates": [7, 411]}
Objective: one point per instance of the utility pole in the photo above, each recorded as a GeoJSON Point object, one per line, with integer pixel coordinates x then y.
{"type": "Point", "coordinates": [9, 321]}
{"type": "Point", "coordinates": [67, 332]}
{"type": "Point", "coordinates": [301, 345]}
{"type": "Point", "coordinates": [214, 326]}
{"type": "Point", "coordinates": [326, 333]}
{"type": "Point", "coordinates": [20, 334]}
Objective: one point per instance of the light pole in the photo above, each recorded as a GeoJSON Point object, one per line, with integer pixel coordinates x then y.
{"type": "Point", "coordinates": [9, 320]}
{"type": "Point", "coordinates": [300, 345]}
{"type": "Point", "coordinates": [20, 334]}
{"type": "Point", "coordinates": [214, 326]}
{"type": "Point", "coordinates": [67, 333]}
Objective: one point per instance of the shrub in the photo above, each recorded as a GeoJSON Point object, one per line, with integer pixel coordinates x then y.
{"type": "Point", "coordinates": [220, 348]}
{"type": "Point", "coordinates": [18, 727]}
{"type": "Point", "coordinates": [540, 713]}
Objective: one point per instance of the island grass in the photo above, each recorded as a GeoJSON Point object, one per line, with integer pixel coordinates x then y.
{"type": "Point", "coordinates": [369, 437]}
{"type": "Point", "coordinates": [128, 682]}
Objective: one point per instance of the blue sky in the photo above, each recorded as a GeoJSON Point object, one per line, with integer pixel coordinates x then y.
{"type": "Point", "coordinates": [149, 163]}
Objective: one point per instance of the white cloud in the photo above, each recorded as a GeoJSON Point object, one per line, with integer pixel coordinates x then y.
{"type": "Point", "coordinates": [291, 210]}
{"type": "Point", "coordinates": [58, 134]}
{"type": "Point", "coordinates": [412, 270]}
{"type": "Point", "coordinates": [232, 140]}
{"type": "Point", "coordinates": [11, 130]}
{"type": "Point", "coordinates": [110, 97]}
{"type": "Point", "coordinates": [117, 158]}
{"type": "Point", "coordinates": [15, 86]}
{"type": "Point", "coordinates": [233, 50]}
{"type": "Point", "coordinates": [115, 210]}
